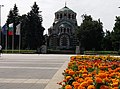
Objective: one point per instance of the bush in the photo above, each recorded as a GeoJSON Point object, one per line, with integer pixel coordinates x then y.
{"type": "Point", "coordinates": [101, 52]}
{"type": "Point", "coordinates": [20, 51]}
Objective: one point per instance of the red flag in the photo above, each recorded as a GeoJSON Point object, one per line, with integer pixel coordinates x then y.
{"type": "Point", "coordinates": [10, 33]}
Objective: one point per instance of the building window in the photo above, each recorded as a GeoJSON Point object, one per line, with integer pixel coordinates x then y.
{"type": "Point", "coordinates": [65, 14]}
{"type": "Point", "coordinates": [57, 16]}
{"type": "Point", "coordinates": [67, 30]}
{"type": "Point", "coordinates": [73, 17]}
{"type": "Point", "coordinates": [69, 16]}
{"type": "Point", "coordinates": [61, 16]}
{"type": "Point", "coordinates": [64, 30]}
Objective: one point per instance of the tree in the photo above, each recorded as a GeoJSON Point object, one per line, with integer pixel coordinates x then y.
{"type": "Point", "coordinates": [14, 18]}
{"type": "Point", "coordinates": [32, 26]}
{"type": "Point", "coordinates": [107, 42]}
{"type": "Point", "coordinates": [115, 34]}
{"type": "Point", "coordinates": [90, 33]}
{"type": "Point", "coordinates": [16, 21]}
{"type": "Point", "coordinates": [24, 31]}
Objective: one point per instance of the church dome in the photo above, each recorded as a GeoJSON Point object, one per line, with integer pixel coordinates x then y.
{"type": "Point", "coordinates": [65, 9]}
{"type": "Point", "coordinates": [64, 25]}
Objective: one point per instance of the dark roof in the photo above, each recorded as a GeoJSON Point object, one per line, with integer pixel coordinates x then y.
{"type": "Point", "coordinates": [65, 9]}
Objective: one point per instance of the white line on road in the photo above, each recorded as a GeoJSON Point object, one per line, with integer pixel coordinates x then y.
{"type": "Point", "coordinates": [28, 63]}
{"type": "Point", "coordinates": [9, 67]}
{"type": "Point", "coordinates": [11, 80]}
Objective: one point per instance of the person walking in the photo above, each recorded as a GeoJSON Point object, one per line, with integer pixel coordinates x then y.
{"type": "Point", "coordinates": [0, 50]}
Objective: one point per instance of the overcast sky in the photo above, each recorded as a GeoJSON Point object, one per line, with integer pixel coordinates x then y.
{"type": "Point", "coordinates": [106, 10]}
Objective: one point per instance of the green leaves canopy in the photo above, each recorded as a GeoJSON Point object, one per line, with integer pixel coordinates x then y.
{"type": "Point", "coordinates": [90, 33]}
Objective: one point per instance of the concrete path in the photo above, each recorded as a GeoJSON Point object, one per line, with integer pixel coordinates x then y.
{"type": "Point", "coordinates": [32, 71]}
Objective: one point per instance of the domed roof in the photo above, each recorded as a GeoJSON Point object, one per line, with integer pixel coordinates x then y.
{"type": "Point", "coordinates": [64, 9]}
{"type": "Point", "coordinates": [63, 25]}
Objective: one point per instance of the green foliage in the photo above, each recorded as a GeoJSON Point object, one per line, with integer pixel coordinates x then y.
{"type": "Point", "coordinates": [13, 17]}
{"type": "Point", "coordinates": [115, 35]}
{"type": "Point", "coordinates": [107, 42]}
{"type": "Point", "coordinates": [90, 33]}
{"type": "Point", "coordinates": [101, 52]}
{"type": "Point", "coordinates": [75, 68]}
{"type": "Point", "coordinates": [32, 30]}
{"type": "Point", "coordinates": [90, 69]}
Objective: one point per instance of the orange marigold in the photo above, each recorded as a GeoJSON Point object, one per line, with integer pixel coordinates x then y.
{"type": "Point", "coordinates": [104, 87]}
{"type": "Point", "coordinates": [71, 72]}
{"type": "Point", "coordinates": [87, 78]}
{"type": "Point", "coordinates": [115, 88]}
{"type": "Point", "coordinates": [91, 87]}
{"type": "Point", "coordinates": [84, 84]}
{"type": "Point", "coordinates": [102, 75]}
{"type": "Point", "coordinates": [115, 84]}
{"type": "Point", "coordinates": [68, 87]}
{"type": "Point", "coordinates": [98, 80]}
{"type": "Point", "coordinates": [81, 87]}
{"type": "Point", "coordinates": [80, 80]}
{"type": "Point", "coordinates": [75, 84]}
{"type": "Point", "coordinates": [84, 75]}
{"type": "Point", "coordinates": [90, 81]}
{"type": "Point", "coordinates": [76, 78]}
{"type": "Point", "coordinates": [68, 77]}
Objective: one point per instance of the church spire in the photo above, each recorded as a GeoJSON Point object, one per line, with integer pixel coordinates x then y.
{"type": "Point", "coordinates": [65, 4]}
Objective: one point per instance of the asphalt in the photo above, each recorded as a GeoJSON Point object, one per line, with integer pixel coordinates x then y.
{"type": "Point", "coordinates": [32, 71]}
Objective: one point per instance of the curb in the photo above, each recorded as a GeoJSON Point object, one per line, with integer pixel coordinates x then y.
{"type": "Point", "coordinates": [57, 78]}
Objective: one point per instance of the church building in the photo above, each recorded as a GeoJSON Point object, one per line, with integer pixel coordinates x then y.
{"type": "Point", "coordinates": [61, 35]}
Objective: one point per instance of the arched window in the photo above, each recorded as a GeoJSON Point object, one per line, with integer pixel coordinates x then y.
{"type": "Point", "coordinates": [69, 16]}
{"type": "Point", "coordinates": [67, 30]}
{"type": "Point", "coordinates": [61, 16]}
{"type": "Point", "coordinates": [73, 17]}
{"type": "Point", "coordinates": [64, 30]}
{"type": "Point", "coordinates": [57, 16]}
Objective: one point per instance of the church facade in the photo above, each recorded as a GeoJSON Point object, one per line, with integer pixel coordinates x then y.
{"type": "Point", "coordinates": [61, 35]}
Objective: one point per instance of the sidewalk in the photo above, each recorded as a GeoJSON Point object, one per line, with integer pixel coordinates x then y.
{"type": "Point", "coordinates": [26, 71]}
{"type": "Point", "coordinates": [58, 77]}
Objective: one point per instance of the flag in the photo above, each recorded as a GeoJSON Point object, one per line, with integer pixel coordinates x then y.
{"type": "Point", "coordinates": [0, 29]}
{"type": "Point", "coordinates": [10, 31]}
{"type": "Point", "coordinates": [4, 29]}
{"type": "Point", "coordinates": [18, 29]}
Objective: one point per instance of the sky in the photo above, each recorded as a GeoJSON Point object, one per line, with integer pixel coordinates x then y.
{"type": "Point", "coordinates": [105, 10]}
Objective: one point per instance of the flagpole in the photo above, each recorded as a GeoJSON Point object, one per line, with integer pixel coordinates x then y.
{"type": "Point", "coordinates": [19, 35]}
{"type": "Point", "coordinates": [13, 39]}
{"type": "Point", "coordinates": [18, 32]}
{"type": "Point", "coordinates": [19, 42]}
{"type": "Point", "coordinates": [0, 24]}
{"type": "Point", "coordinates": [6, 40]}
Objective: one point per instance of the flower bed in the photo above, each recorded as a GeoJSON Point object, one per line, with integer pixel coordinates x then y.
{"type": "Point", "coordinates": [92, 72]}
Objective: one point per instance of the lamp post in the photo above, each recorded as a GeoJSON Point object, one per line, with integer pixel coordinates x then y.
{"type": "Point", "coordinates": [0, 25]}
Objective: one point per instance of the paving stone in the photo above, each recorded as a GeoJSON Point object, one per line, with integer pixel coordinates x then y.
{"type": "Point", "coordinates": [30, 71]}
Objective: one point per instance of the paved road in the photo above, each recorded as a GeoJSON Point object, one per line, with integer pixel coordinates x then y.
{"type": "Point", "coordinates": [31, 71]}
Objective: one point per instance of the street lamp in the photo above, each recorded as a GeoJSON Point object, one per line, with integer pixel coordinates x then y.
{"type": "Point", "coordinates": [0, 24]}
